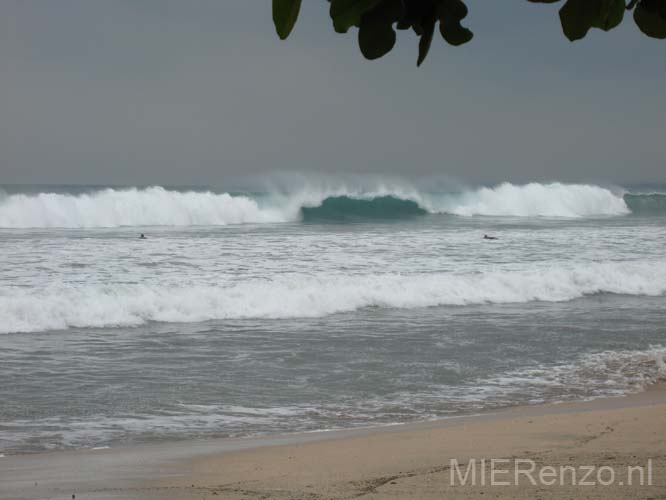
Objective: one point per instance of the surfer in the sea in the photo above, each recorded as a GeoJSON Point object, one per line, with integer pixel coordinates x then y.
{"type": "Point", "coordinates": [486, 237]}
{"type": "Point", "coordinates": [142, 237]}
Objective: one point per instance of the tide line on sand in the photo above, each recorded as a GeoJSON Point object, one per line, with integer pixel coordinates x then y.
{"type": "Point", "coordinates": [410, 461]}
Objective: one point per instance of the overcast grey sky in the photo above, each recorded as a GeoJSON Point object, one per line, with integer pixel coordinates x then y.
{"type": "Point", "coordinates": [202, 91]}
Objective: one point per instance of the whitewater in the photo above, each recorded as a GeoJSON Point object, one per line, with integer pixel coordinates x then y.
{"type": "Point", "coordinates": [61, 307]}
{"type": "Point", "coordinates": [157, 206]}
{"type": "Point", "coordinates": [318, 305]}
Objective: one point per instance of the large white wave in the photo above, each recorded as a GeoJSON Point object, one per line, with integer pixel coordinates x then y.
{"type": "Point", "coordinates": [153, 206]}
{"type": "Point", "coordinates": [547, 200]}
{"type": "Point", "coordinates": [64, 306]}
{"type": "Point", "coordinates": [157, 206]}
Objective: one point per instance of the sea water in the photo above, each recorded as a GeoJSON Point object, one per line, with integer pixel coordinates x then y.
{"type": "Point", "coordinates": [330, 305]}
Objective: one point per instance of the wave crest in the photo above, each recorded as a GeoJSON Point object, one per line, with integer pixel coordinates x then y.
{"type": "Point", "coordinates": [157, 206]}
{"type": "Point", "coordinates": [154, 206]}
{"type": "Point", "coordinates": [653, 203]}
{"type": "Point", "coordinates": [300, 296]}
{"type": "Point", "coordinates": [536, 200]}
{"type": "Point", "coordinates": [343, 208]}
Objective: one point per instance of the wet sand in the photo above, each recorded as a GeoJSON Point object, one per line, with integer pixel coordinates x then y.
{"type": "Point", "coordinates": [397, 462]}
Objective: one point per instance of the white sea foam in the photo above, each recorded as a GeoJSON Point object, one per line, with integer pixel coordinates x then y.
{"type": "Point", "coordinates": [156, 206]}
{"type": "Point", "coordinates": [594, 375]}
{"type": "Point", "coordinates": [598, 374]}
{"type": "Point", "coordinates": [549, 200]}
{"type": "Point", "coordinates": [99, 432]}
{"type": "Point", "coordinates": [60, 307]}
{"type": "Point", "coordinates": [153, 206]}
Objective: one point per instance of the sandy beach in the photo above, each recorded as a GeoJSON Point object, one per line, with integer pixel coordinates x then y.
{"type": "Point", "coordinates": [599, 440]}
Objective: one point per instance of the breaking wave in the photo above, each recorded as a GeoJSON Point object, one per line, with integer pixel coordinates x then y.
{"type": "Point", "coordinates": [153, 206]}
{"type": "Point", "coordinates": [343, 208]}
{"type": "Point", "coordinates": [654, 203]}
{"type": "Point", "coordinates": [157, 206]}
{"type": "Point", "coordinates": [64, 306]}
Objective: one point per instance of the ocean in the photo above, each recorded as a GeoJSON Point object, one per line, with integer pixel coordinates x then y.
{"type": "Point", "coordinates": [325, 305]}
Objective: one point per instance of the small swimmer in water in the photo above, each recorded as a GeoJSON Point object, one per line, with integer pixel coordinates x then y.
{"type": "Point", "coordinates": [142, 237]}
{"type": "Point", "coordinates": [486, 237]}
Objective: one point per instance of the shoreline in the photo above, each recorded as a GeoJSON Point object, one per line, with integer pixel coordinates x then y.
{"type": "Point", "coordinates": [336, 459]}
{"type": "Point", "coordinates": [260, 440]}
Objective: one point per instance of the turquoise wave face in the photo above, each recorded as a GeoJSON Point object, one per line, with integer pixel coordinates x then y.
{"type": "Point", "coordinates": [84, 207]}
{"type": "Point", "coordinates": [344, 209]}
{"type": "Point", "coordinates": [654, 203]}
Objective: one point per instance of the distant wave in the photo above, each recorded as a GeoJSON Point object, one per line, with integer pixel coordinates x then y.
{"type": "Point", "coordinates": [343, 208]}
{"type": "Point", "coordinates": [65, 306]}
{"type": "Point", "coordinates": [654, 203]}
{"type": "Point", "coordinates": [157, 206]}
{"type": "Point", "coordinates": [530, 200]}
{"type": "Point", "coordinates": [153, 206]}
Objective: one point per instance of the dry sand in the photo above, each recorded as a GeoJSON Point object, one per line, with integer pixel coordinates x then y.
{"type": "Point", "coordinates": [399, 462]}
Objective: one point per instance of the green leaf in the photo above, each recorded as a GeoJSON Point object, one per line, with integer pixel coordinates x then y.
{"type": "Point", "coordinates": [404, 24]}
{"type": "Point", "coordinates": [375, 41]}
{"type": "Point", "coordinates": [450, 13]}
{"type": "Point", "coordinates": [578, 16]}
{"type": "Point", "coordinates": [347, 13]}
{"type": "Point", "coordinates": [376, 35]}
{"type": "Point", "coordinates": [428, 25]}
{"type": "Point", "coordinates": [611, 13]}
{"type": "Point", "coordinates": [650, 16]}
{"type": "Point", "coordinates": [285, 13]}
